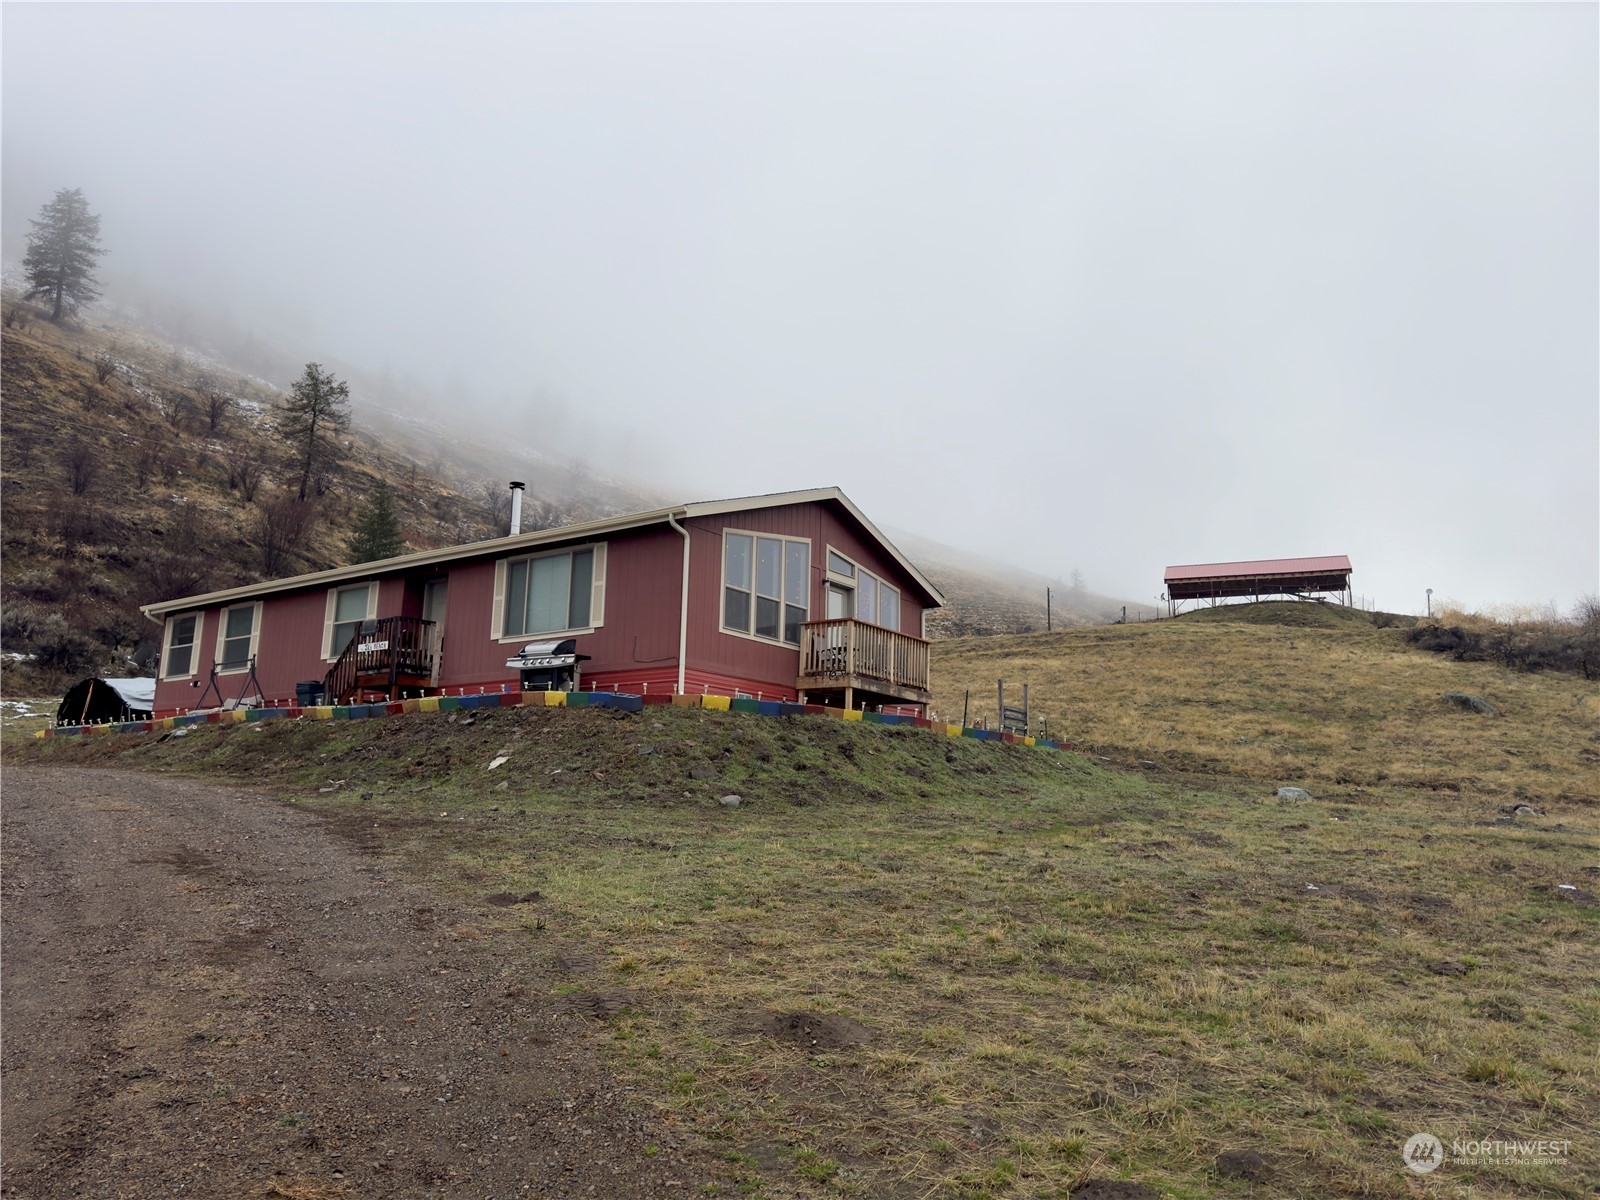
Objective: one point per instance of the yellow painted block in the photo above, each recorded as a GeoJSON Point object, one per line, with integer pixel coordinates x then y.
{"type": "Point", "coordinates": [851, 714]}
{"type": "Point", "coordinates": [428, 704]}
{"type": "Point", "coordinates": [167, 723]}
{"type": "Point", "coordinates": [39, 733]}
{"type": "Point", "coordinates": [686, 701]}
{"type": "Point", "coordinates": [952, 730]}
{"type": "Point", "coordinates": [716, 703]}
{"type": "Point", "coordinates": [555, 699]}
{"type": "Point", "coordinates": [411, 706]}
{"type": "Point", "coordinates": [239, 714]}
{"type": "Point", "coordinates": [320, 712]}
{"type": "Point", "coordinates": [1028, 741]}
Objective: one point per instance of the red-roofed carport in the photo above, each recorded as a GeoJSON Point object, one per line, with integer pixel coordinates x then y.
{"type": "Point", "coordinates": [1328, 575]}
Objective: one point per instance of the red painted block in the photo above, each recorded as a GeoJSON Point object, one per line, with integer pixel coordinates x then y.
{"type": "Point", "coordinates": [658, 697]}
{"type": "Point", "coordinates": [395, 707]}
{"type": "Point", "coordinates": [818, 710]}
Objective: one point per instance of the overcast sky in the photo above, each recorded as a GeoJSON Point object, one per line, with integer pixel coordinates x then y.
{"type": "Point", "coordinates": [1106, 287]}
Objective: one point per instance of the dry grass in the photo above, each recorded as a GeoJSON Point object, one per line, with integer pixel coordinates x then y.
{"type": "Point", "coordinates": [1343, 704]}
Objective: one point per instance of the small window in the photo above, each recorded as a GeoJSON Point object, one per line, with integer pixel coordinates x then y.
{"type": "Point", "coordinates": [238, 630]}
{"type": "Point", "coordinates": [766, 585]}
{"type": "Point", "coordinates": [549, 594]}
{"type": "Point", "coordinates": [349, 610]}
{"type": "Point", "coordinates": [180, 645]}
{"type": "Point", "coordinates": [838, 564]}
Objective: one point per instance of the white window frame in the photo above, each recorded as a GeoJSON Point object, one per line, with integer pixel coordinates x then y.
{"type": "Point", "coordinates": [597, 596]}
{"type": "Point", "coordinates": [222, 636]}
{"type": "Point", "coordinates": [880, 584]}
{"type": "Point", "coordinates": [194, 646]}
{"type": "Point", "coordinates": [783, 581]}
{"type": "Point", "coordinates": [332, 607]}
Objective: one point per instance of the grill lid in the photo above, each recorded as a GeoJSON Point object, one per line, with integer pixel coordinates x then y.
{"type": "Point", "coordinates": [545, 655]}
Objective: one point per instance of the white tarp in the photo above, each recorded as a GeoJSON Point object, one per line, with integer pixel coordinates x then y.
{"type": "Point", "coordinates": [136, 693]}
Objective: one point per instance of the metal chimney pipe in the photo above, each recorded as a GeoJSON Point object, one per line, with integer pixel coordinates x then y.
{"type": "Point", "coordinates": [516, 507]}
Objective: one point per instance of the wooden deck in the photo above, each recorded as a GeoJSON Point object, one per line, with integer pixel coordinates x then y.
{"type": "Point", "coordinates": [853, 657]}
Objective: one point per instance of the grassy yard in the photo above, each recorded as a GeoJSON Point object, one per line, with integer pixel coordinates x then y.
{"type": "Point", "coordinates": [906, 965]}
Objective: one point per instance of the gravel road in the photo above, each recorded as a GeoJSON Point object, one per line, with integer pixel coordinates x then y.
{"type": "Point", "coordinates": [209, 992]}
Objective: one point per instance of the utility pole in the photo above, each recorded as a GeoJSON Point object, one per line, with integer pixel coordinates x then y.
{"type": "Point", "coordinates": [1047, 610]}
{"type": "Point", "coordinates": [1430, 602]}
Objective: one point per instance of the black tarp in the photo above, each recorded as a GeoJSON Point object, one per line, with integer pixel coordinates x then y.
{"type": "Point", "coordinates": [97, 701]}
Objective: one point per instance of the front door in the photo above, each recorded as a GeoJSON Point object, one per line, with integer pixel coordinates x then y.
{"type": "Point", "coordinates": [841, 602]}
{"type": "Point", "coordinates": [433, 599]}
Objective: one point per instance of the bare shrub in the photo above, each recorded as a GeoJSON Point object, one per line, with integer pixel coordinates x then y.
{"type": "Point", "coordinates": [283, 522]}
{"type": "Point", "coordinates": [1523, 639]}
{"type": "Point", "coordinates": [177, 408]}
{"type": "Point", "coordinates": [1586, 618]}
{"type": "Point", "coordinates": [216, 404]}
{"type": "Point", "coordinates": [105, 364]}
{"type": "Point", "coordinates": [244, 470]}
{"type": "Point", "coordinates": [166, 574]}
{"type": "Point", "coordinates": [82, 465]}
{"type": "Point", "coordinates": [18, 317]}
{"type": "Point", "coordinates": [74, 523]}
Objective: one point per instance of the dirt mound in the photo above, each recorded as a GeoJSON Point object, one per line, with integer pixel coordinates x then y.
{"type": "Point", "coordinates": [816, 1031]}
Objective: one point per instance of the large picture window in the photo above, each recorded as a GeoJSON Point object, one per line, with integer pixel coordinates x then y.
{"type": "Point", "coordinates": [766, 586]}
{"type": "Point", "coordinates": [550, 594]}
{"type": "Point", "coordinates": [181, 633]}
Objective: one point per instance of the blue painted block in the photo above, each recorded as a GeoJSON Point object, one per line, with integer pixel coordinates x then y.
{"type": "Point", "coordinates": [792, 710]}
{"type": "Point", "coordinates": [769, 708]}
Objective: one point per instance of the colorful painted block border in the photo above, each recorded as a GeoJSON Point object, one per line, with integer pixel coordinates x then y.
{"type": "Point", "coordinates": [613, 700]}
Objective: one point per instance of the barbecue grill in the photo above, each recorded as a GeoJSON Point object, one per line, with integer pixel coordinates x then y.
{"type": "Point", "coordinates": [549, 666]}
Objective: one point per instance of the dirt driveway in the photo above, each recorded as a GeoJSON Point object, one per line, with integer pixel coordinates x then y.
{"type": "Point", "coordinates": [207, 992]}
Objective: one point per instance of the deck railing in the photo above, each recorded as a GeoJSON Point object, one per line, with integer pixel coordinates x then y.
{"type": "Point", "coordinates": [384, 654]}
{"type": "Point", "coordinates": [847, 647]}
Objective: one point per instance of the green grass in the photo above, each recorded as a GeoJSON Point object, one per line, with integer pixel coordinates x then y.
{"type": "Point", "coordinates": [1067, 972]}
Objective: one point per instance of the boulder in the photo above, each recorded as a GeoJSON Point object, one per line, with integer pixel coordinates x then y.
{"type": "Point", "coordinates": [1471, 703]}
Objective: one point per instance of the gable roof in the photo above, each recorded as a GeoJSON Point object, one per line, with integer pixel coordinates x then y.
{"type": "Point", "coordinates": [524, 541]}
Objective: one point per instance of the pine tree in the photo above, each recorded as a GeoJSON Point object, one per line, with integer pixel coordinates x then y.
{"type": "Point", "coordinates": [377, 532]}
{"type": "Point", "coordinates": [62, 251]}
{"type": "Point", "coordinates": [318, 408]}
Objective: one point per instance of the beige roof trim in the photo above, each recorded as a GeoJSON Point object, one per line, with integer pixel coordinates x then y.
{"type": "Point", "coordinates": [526, 541]}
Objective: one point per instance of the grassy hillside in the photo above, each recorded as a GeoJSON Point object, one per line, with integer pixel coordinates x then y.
{"type": "Point", "coordinates": [1293, 693]}
{"type": "Point", "coordinates": [913, 966]}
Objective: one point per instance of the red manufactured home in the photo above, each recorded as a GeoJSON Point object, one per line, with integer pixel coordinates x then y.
{"type": "Point", "coordinates": [788, 596]}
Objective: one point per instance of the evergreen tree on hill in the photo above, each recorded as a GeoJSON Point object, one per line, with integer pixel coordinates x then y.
{"type": "Point", "coordinates": [62, 251]}
{"type": "Point", "coordinates": [377, 532]}
{"type": "Point", "coordinates": [318, 407]}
